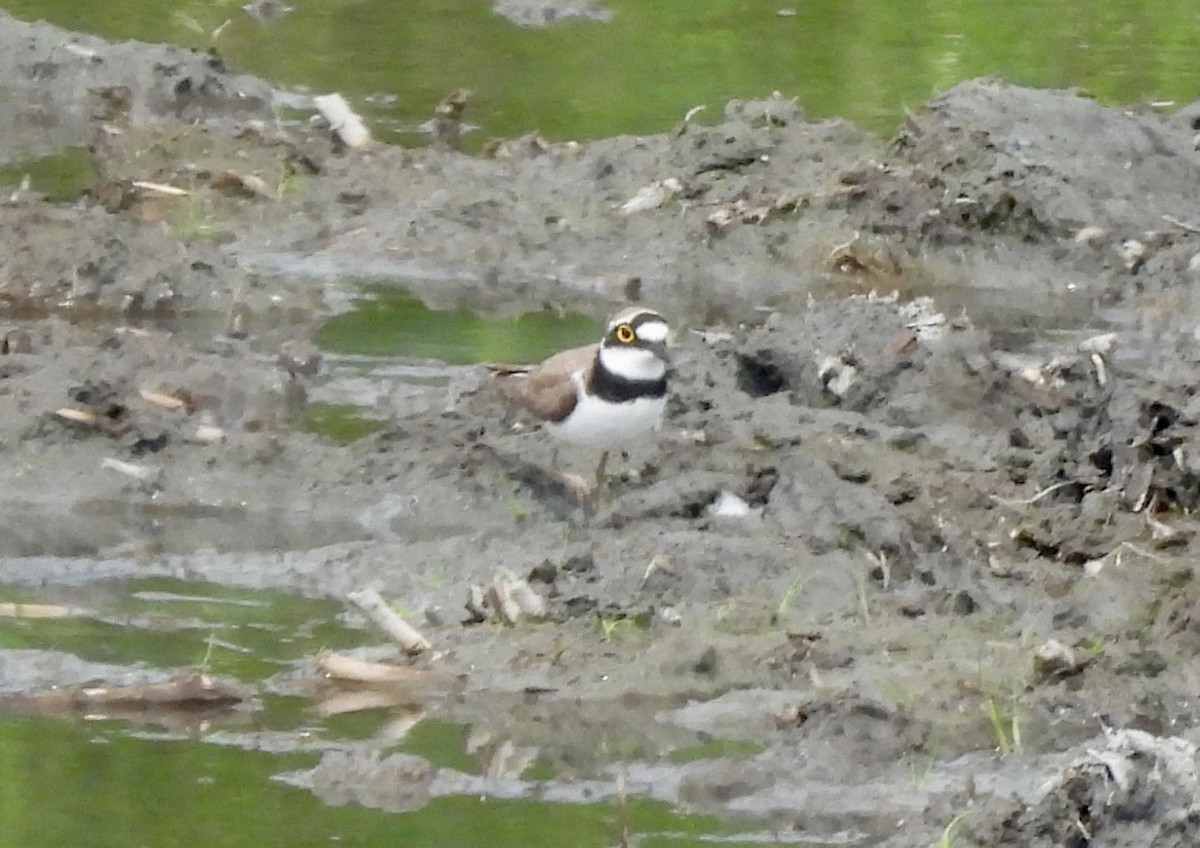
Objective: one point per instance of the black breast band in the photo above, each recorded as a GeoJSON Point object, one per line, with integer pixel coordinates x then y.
{"type": "Point", "coordinates": [608, 386]}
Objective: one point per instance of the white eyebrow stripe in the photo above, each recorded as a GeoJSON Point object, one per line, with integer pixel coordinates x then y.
{"type": "Point", "coordinates": [653, 331]}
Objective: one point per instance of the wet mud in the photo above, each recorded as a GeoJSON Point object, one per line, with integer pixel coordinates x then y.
{"type": "Point", "coordinates": [920, 520]}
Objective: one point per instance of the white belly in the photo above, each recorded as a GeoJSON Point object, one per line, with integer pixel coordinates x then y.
{"type": "Point", "coordinates": [597, 424]}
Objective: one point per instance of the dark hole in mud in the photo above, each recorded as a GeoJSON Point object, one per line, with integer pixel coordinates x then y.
{"type": "Point", "coordinates": [1157, 416]}
{"type": "Point", "coordinates": [1159, 449]}
{"type": "Point", "coordinates": [149, 444]}
{"type": "Point", "coordinates": [1042, 548]}
{"type": "Point", "coordinates": [696, 506]}
{"type": "Point", "coordinates": [545, 572]}
{"type": "Point", "coordinates": [100, 397]}
{"type": "Point", "coordinates": [580, 606]}
{"type": "Point", "coordinates": [761, 483]}
{"type": "Point", "coordinates": [580, 563]}
{"type": "Point", "coordinates": [1069, 494]}
{"type": "Point", "coordinates": [758, 377]}
{"type": "Point", "coordinates": [962, 603]}
{"type": "Point", "coordinates": [1018, 439]}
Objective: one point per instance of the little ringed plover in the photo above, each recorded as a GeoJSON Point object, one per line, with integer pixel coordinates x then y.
{"type": "Point", "coordinates": [602, 396]}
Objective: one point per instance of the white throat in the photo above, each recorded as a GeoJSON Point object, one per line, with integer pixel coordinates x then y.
{"type": "Point", "coordinates": [632, 363]}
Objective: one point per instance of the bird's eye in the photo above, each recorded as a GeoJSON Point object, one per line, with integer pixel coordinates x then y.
{"type": "Point", "coordinates": [625, 334]}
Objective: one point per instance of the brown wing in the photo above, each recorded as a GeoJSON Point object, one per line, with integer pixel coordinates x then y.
{"type": "Point", "coordinates": [546, 390]}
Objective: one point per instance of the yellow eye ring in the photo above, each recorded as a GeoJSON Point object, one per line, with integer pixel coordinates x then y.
{"type": "Point", "coordinates": [625, 334]}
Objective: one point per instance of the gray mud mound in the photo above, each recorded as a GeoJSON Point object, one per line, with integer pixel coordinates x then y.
{"type": "Point", "coordinates": [85, 261]}
{"type": "Point", "coordinates": [537, 221]}
{"type": "Point", "coordinates": [1048, 193]}
{"type": "Point", "coordinates": [540, 13]}
{"type": "Point", "coordinates": [62, 85]}
{"type": "Point", "coordinates": [1138, 789]}
{"type": "Point", "coordinates": [1048, 163]}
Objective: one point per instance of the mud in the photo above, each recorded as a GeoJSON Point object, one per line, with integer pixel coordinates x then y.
{"type": "Point", "coordinates": [933, 407]}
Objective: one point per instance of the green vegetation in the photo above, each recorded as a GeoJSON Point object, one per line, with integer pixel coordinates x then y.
{"type": "Point", "coordinates": [947, 838]}
{"type": "Point", "coordinates": [1005, 723]}
{"type": "Point", "coordinates": [786, 601]}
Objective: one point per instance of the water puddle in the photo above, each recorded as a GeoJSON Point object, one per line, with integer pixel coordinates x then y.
{"type": "Point", "coordinates": [282, 771]}
{"type": "Point", "coordinates": [165, 623]}
{"type": "Point", "coordinates": [98, 785]}
{"type": "Point", "coordinates": [386, 321]}
{"type": "Point", "coordinates": [339, 422]}
{"type": "Point", "coordinates": [390, 353]}
{"type": "Point", "coordinates": [61, 177]}
{"type": "Point", "coordinates": [717, 749]}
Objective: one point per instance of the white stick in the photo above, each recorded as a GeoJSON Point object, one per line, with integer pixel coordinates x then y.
{"type": "Point", "coordinates": [348, 126]}
{"type": "Point", "coordinates": [405, 635]}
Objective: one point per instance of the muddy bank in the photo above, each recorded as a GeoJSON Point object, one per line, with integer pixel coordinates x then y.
{"type": "Point", "coordinates": [876, 529]}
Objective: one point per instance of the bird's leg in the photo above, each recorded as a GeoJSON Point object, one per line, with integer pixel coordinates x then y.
{"type": "Point", "coordinates": [600, 471]}
{"type": "Point", "coordinates": [584, 491]}
{"type": "Point", "coordinates": [592, 500]}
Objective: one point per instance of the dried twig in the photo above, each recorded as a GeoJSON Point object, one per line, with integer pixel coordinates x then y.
{"type": "Point", "coordinates": [346, 125]}
{"type": "Point", "coordinates": [208, 434]}
{"type": "Point", "coordinates": [354, 670]}
{"type": "Point", "coordinates": [142, 473]}
{"type": "Point", "coordinates": [388, 620]}
{"type": "Point", "coordinates": [340, 701]}
{"type": "Point", "coordinates": [160, 188]}
{"type": "Point", "coordinates": [1035, 498]}
{"type": "Point", "coordinates": [248, 185]}
{"type": "Point", "coordinates": [77, 416]}
{"type": "Point", "coordinates": [161, 399]}
{"type": "Point", "coordinates": [87, 418]}
{"type": "Point", "coordinates": [508, 598]}
{"type": "Point", "coordinates": [1183, 225]}
{"type": "Point", "coordinates": [191, 692]}
{"type": "Point", "coordinates": [42, 611]}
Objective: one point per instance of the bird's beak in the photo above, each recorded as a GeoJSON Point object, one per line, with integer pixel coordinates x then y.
{"type": "Point", "coordinates": [659, 349]}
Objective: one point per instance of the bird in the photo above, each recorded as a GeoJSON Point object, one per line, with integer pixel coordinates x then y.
{"type": "Point", "coordinates": [606, 396]}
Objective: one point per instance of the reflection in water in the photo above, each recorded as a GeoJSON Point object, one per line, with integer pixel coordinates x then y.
{"type": "Point", "coordinates": [160, 623]}
{"type": "Point", "coordinates": [287, 772]}
{"type": "Point", "coordinates": [388, 322]}
{"type": "Point", "coordinates": [95, 784]}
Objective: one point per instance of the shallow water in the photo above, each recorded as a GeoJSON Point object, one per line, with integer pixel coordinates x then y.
{"type": "Point", "coordinates": [641, 70]}
{"type": "Point", "coordinates": [389, 350]}
{"type": "Point", "coordinates": [243, 778]}
{"type": "Point", "coordinates": [385, 321]}
{"type": "Point", "coordinates": [61, 177]}
{"type": "Point", "coordinates": [98, 784]}
{"type": "Point", "coordinates": [164, 623]}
